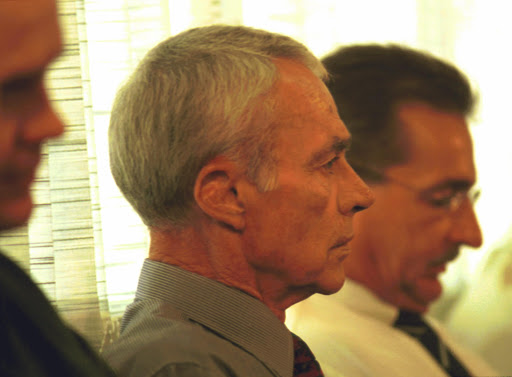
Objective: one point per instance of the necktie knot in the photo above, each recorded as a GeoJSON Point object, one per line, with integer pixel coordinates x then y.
{"type": "Point", "coordinates": [411, 323]}
{"type": "Point", "coordinates": [305, 363]}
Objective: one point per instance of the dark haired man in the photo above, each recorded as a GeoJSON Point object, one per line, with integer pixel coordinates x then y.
{"type": "Point", "coordinates": [407, 112]}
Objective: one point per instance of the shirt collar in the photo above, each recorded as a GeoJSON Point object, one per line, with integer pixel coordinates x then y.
{"type": "Point", "coordinates": [361, 300]}
{"type": "Point", "coordinates": [237, 316]}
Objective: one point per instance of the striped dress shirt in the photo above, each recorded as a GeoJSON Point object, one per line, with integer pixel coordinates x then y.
{"type": "Point", "coordinates": [183, 324]}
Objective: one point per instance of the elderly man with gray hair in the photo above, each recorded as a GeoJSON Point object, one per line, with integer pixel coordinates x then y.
{"type": "Point", "coordinates": [229, 146]}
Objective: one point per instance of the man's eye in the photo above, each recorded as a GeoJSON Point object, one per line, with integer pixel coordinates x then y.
{"type": "Point", "coordinates": [22, 84]}
{"type": "Point", "coordinates": [330, 164]}
{"type": "Point", "coordinates": [443, 202]}
{"type": "Point", "coordinates": [22, 94]}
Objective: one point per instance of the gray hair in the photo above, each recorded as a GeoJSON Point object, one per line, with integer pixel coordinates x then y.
{"type": "Point", "coordinates": [200, 94]}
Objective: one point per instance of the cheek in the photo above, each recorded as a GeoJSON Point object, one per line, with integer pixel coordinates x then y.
{"type": "Point", "coordinates": [300, 204]}
{"type": "Point", "coordinates": [425, 243]}
{"type": "Point", "coordinates": [428, 237]}
{"type": "Point", "coordinates": [292, 226]}
{"type": "Point", "coordinates": [7, 135]}
{"type": "Point", "coordinates": [385, 235]}
{"type": "Point", "coordinates": [311, 216]}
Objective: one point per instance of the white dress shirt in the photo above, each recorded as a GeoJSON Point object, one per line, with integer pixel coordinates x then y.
{"type": "Point", "coordinates": [486, 305]}
{"type": "Point", "coordinates": [351, 334]}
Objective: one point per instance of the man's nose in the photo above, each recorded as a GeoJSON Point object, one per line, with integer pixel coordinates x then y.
{"type": "Point", "coordinates": [465, 229]}
{"type": "Point", "coordinates": [41, 125]}
{"type": "Point", "coordinates": [355, 195]}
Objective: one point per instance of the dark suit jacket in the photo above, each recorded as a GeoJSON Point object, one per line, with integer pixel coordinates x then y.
{"type": "Point", "coordinates": [33, 339]}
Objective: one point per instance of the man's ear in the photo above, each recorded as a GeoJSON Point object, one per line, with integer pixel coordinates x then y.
{"type": "Point", "coordinates": [216, 194]}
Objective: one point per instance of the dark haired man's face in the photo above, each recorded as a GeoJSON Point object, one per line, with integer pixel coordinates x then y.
{"type": "Point", "coordinates": [404, 242]}
{"type": "Point", "coordinates": [29, 40]}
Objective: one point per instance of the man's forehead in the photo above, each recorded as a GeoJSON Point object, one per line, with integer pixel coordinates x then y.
{"type": "Point", "coordinates": [438, 149]}
{"type": "Point", "coordinates": [434, 134]}
{"type": "Point", "coordinates": [29, 36]}
{"type": "Point", "coordinates": [297, 87]}
{"type": "Point", "coordinates": [306, 114]}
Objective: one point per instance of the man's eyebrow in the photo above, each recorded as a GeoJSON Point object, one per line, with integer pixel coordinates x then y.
{"type": "Point", "coordinates": [336, 145]}
{"type": "Point", "coordinates": [452, 184]}
{"type": "Point", "coordinates": [340, 145]}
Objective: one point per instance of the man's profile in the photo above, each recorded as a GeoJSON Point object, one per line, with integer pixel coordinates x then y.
{"type": "Point", "coordinates": [228, 144]}
{"type": "Point", "coordinates": [34, 341]}
{"type": "Point", "coordinates": [408, 113]}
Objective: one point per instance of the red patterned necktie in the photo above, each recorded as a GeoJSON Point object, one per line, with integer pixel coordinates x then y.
{"type": "Point", "coordinates": [305, 364]}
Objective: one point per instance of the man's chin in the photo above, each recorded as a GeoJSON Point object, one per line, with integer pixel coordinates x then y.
{"type": "Point", "coordinates": [15, 212]}
{"type": "Point", "coordinates": [427, 290]}
{"type": "Point", "coordinates": [331, 284]}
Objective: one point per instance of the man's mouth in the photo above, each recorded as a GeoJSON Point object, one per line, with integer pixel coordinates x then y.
{"type": "Point", "coordinates": [445, 259]}
{"type": "Point", "coordinates": [342, 242]}
{"type": "Point", "coordinates": [439, 265]}
{"type": "Point", "coordinates": [433, 272]}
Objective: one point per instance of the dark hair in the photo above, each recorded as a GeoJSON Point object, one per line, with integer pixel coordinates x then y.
{"type": "Point", "coordinates": [368, 83]}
